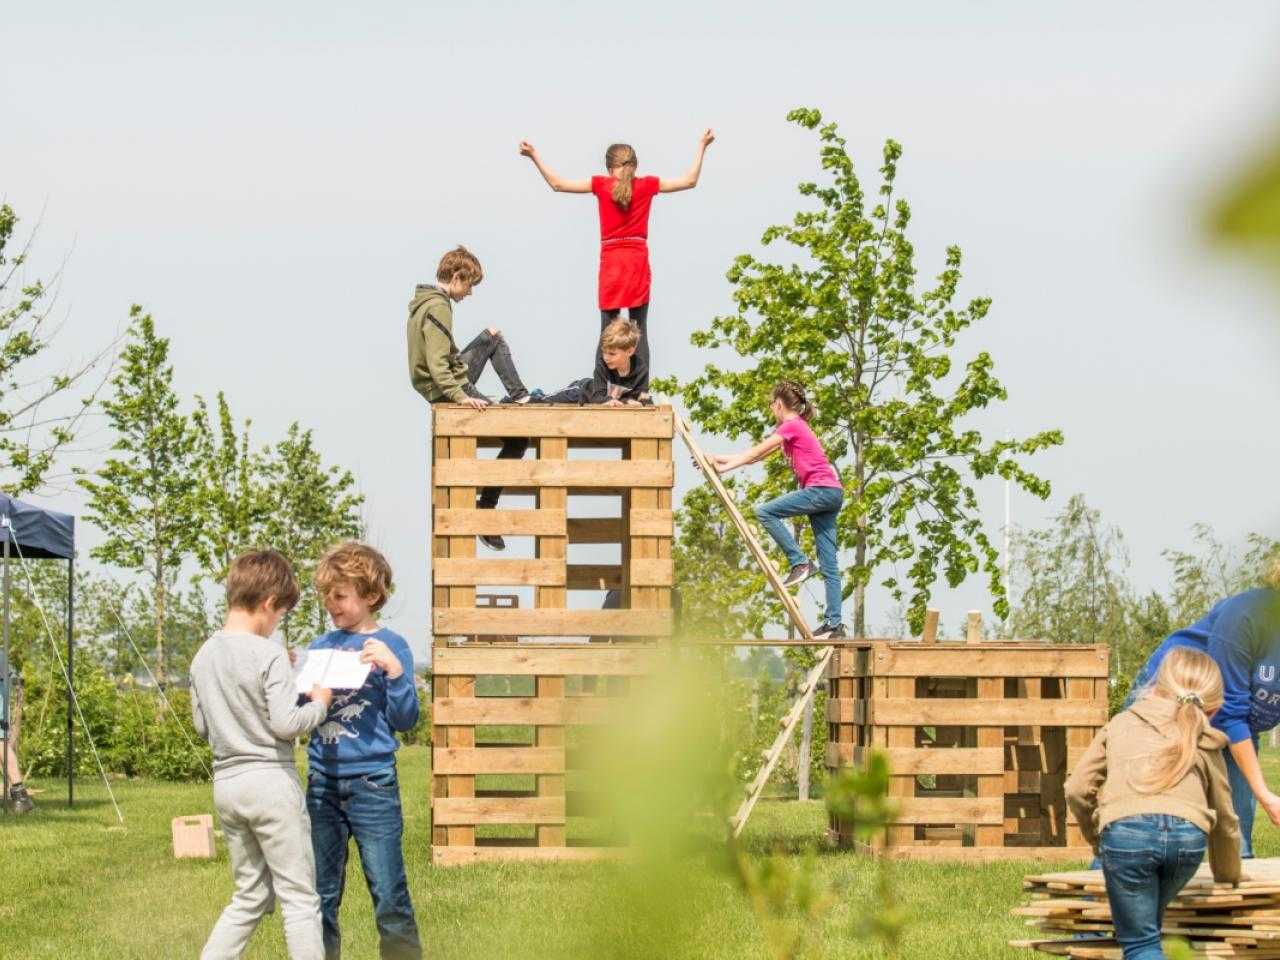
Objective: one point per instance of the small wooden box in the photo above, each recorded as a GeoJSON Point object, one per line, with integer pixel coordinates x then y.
{"type": "Point", "coordinates": [193, 836]}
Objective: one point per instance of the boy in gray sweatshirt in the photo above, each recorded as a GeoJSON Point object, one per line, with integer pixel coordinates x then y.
{"type": "Point", "coordinates": [244, 703]}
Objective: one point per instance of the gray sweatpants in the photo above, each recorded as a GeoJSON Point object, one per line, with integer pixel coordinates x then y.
{"type": "Point", "coordinates": [268, 833]}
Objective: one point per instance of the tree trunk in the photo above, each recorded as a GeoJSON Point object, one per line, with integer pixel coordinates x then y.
{"type": "Point", "coordinates": [159, 599]}
{"type": "Point", "coordinates": [806, 749]}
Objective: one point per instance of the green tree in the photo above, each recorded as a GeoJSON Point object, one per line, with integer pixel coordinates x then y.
{"type": "Point", "coordinates": [1070, 579]}
{"type": "Point", "coordinates": [1212, 570]}
{"type": "Point", "coordinates": [723, 594]}
{"type": "Point", "coordinates": [39, 417]}
{"type": "Point", "coordinates": [311, 507]}
{"type": "Point", "coordinates": [144, 498]}
{"type": "Point", "coordinates": [877, 359]}
{"type": "Point", "coordinates": [232, 500]}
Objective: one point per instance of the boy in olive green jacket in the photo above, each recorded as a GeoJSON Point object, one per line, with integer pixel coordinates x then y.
{"type": "Point", "coordinates": [444, 374]}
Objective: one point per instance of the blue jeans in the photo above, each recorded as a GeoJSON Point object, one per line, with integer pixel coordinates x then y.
{"type": "Point", "coordinates": [1242, 798]}
{"type": "Point", "coordinates": [367, 808]}
{"type": "Point", "coordinates": [822, 506]}
{"type": "Point", "coordinates": [1146, 860]}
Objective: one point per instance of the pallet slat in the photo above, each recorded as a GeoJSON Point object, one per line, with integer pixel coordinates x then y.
{"type": "Point", "coordinates": [570, 422]}
{"type": "Point", "coordinates": [549, 711]}
{"type": "Point", "coordinates": [580, 474]}
{"type": "Point", "coordinates": [565, 661]}
{"type": "Point", "coordinates": [552, 623]}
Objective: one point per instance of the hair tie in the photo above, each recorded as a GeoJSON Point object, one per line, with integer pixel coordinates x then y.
{"type": "Point", "coordinates": [1191, 698]}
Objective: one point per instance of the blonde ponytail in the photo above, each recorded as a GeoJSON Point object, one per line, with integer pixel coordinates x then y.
{"type": "Point", "coordinates": [620, 161]}
{"type": "Point", "coordinates": [1192, 680]}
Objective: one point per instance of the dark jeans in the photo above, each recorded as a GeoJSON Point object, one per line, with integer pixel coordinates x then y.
{"type": "Point", "coordinates": [1146, 860]}
{"type": "Point", "coordinates": [1242, 798]}
{"type": "Point", "coordinates": [640, 316]}
{"type": "Point", "coordinates": [367, 808]}
{"type": "Point", "coordinates": [486, 348]}
{"type": "Point", "coordinates": [822, 506]}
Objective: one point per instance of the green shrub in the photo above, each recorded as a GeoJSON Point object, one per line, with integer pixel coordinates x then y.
{"type": "Point", "coordinates": [134, 732]}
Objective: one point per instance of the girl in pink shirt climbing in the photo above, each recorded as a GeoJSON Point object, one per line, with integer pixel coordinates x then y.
{"type": "Point", "coordinates": [819, 498]}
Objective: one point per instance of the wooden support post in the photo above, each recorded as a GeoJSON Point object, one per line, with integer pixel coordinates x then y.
{"type": "Point", "coordinates": [640, 548]}
{"type": "Point", "coordinates": [551, 785]}
{"type": "Point", "coordinates": [551, 598]}
{"type": "Point", "coordinates": [930, 634]}
{"type": "Point", "coordinates": [973, 632]}
{"type": "Point", "coordinates": [902, 787]}
{"type": "Point", "coordinates": [992, 738]}
{"type": "Point", "coordinates": [1078, 740]}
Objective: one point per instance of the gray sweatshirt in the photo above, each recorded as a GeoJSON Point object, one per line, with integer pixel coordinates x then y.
{"type": "Point", "coordinates": [243, 701]}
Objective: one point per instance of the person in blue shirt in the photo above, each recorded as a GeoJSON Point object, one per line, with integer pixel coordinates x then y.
{"type": "Point", "coordinates": [352, 790]}
{"type": "Point", "coordinates": [1242, 634]}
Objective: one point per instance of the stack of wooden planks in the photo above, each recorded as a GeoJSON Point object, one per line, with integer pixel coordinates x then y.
{"type": "Point", "coordinates": [1217, 920]}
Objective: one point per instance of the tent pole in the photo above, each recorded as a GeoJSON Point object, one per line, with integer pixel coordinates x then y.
{"type": "Point", "coordinates": [8, 678]}
{"type": "Point", "coordinates": [71, 614]}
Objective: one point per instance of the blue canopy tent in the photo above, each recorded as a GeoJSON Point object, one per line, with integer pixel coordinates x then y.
{"type": "Point", "coordinates": [32, 533]}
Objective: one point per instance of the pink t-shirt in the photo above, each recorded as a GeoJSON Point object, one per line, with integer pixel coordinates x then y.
{"type": "Point", "coordinates": [804, 452]}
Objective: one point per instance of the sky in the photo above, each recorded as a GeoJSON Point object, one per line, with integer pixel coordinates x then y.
{"type": "Point", "coordinates": [270, 181]}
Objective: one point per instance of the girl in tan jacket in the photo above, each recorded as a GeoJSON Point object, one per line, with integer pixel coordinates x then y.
{"type": "Point", "coordinates": [1151, 793]}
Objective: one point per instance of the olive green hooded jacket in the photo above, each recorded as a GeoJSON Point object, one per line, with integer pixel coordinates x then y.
{"type": "Point", "coordinates": [435, 367]}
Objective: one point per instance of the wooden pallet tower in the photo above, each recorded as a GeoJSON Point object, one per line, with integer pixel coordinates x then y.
{"type": "Point", "coordinates": [515, 688]}
{"type": "Point", "coordinates": [980, 738]}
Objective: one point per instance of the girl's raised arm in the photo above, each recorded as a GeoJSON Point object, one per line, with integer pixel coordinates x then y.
{"type": "Point", "coordinates": [690, 179]}
{"type": "Point", "coordinates": [556, 183]}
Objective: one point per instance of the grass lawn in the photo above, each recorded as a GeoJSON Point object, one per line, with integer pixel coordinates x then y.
{"type": "Point", "coordinates": [75, 885]}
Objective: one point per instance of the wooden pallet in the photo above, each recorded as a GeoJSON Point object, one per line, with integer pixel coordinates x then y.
{"type": "Point", "coordinates": [627, 458]}
{"type": "Point", "coordinates": [502, 722]}
{"type": "Point", "coordinates": [543, 688]}
{"type": "Point", "coordinates": [979, 736]}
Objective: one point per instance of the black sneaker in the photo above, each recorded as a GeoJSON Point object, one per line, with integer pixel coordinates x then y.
{"type": "Point", "coordinates": [493, 541]}
{"type": "Point", "coordinates": [829, 631]}
{"type": "Point", "coordinates": [798, 574]}
{"type": "Point", "coordinates": [21, 799]}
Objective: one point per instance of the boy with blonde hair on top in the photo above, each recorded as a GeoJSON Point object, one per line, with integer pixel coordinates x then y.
{"type": "Point", "coordinates": [352, 787]}
{"type": "Point", "coordinates": [621, 374]}
{"type": "Point", "coordinates": [244, 702]}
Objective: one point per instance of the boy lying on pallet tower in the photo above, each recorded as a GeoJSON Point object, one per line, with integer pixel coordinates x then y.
{"type": "Point", "coordinates": [621, 377]}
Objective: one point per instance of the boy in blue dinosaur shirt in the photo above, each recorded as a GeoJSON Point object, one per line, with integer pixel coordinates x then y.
{"type": "Point", "coordinates": [352, 790]}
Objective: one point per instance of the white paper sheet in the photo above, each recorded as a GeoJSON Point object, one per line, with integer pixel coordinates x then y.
{"type": "Point", "coordinates": [336, 669]}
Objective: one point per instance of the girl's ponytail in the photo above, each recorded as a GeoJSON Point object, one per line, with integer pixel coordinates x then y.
{"type": "Point", "coordinates": [620, 160]}
{"type": "Point", "coordinates": [792, 396]}
{"type": "Point", "coordinates": [1194, 682]}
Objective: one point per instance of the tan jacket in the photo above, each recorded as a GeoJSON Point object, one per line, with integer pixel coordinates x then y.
{"type": "Point", "coordinates": [1100, 789]}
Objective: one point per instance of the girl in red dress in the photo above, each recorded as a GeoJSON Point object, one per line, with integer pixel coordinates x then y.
{"type": "Point", "coordinates": [624, 201]}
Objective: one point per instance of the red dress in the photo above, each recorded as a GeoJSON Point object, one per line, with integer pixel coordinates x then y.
{"type": "Point", "coordinates": [624, 247]}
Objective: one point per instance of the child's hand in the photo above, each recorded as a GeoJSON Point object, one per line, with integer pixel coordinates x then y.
{"type": "Point", "coordinates": [380, 655]}
{"type": "Point", "coordinates": [321, 694]}
{"type": "Point", "coordinates": [527, 149]}
{"type": "Point", "coordinates": [293, 657]}
{"type": "Point", "coordinates": [612, 402]}
{"type": "Point", "coordinates": [722, 462]}
{"type": "Point", "coordinates": [475, 403]}
{"type": "Point", "coordinates": [708, 138]}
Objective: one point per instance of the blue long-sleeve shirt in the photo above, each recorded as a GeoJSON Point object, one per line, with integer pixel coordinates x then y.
{"type": "Point", "coordinates": [358, 735]}
{"type": "Point", "coordinates": [1242, 634]}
